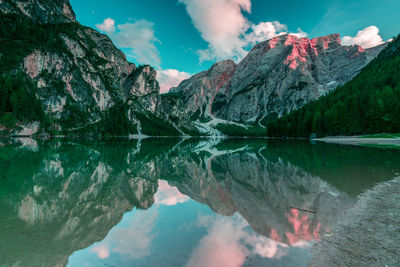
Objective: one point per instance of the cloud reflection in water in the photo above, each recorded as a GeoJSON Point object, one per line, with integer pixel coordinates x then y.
{"type": "Point", "coordinates": [132, 241]}
{"type": "Point", "coordinates": [168, 195]}
{"type": "Point", "coordinates": [230, 242]}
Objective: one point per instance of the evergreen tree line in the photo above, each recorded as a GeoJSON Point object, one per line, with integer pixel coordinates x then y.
{"type": "Point", "coordinates": [115, 121]}
{"type": "Point", "coordinates": [19, 35]}
{"type": "Point", "coordinates": [370, 103]}
{"type": "Point", "coordinates": [18, 102]}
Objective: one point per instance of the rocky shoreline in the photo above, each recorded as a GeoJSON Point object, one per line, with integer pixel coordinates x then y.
{"type": "Point", "coordinates": [368, 234]}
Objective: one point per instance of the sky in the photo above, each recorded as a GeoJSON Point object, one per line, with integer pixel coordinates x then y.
{"type": "Point", "coordinates": [183, 37]}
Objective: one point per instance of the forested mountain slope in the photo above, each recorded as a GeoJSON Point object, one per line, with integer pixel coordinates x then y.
{"type": "Point", "coordinates": [370, 103]}
{"type": "Point", "coordinates": [57, 76]}
{"type": "Point", "coordinates": [278, 75]}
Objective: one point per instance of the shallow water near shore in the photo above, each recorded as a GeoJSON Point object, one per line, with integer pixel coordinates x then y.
{"type": "Point", "coordinates": [172, 202]}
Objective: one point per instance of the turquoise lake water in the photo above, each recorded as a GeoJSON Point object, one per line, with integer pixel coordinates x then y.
{"type": "Point", "coordinates": [172, 202]}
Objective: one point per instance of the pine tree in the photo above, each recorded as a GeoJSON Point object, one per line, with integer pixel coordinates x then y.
{"type": "Point", "coordinates": [317, 123]}
{"type": "Point", "coordinates": [370, 103]}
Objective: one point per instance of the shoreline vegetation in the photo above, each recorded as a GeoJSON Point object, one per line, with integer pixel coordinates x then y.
{"type": "Point", "coordinates": [368, 104]}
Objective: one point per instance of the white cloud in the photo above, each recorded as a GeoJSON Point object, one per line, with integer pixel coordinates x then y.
{"type": "Point", "coordinates": [107, 26]}
{"type": "Point", "coordinates": [168, 195]}
{"type": "Point", "coordinates": [138, 38]}
{"type": "Point", "coordinates": [220, 23]}
{"type": "Point", "coordinates": [300, 33]}
{"type": "Point", "coordinates": [229, 34]}
{"type": "Point", "coordinates": [369, 37]}
{"type": "Point", "coordinates": [264, 31]}
{"type": "Point", "coordinates": [170, 78]}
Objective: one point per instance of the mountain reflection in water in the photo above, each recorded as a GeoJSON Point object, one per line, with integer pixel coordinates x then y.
{"type": "Point", "coordinates": [166, 202]}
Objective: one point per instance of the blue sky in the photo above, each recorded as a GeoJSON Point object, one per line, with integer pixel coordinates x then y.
{"type": "Point", "coordinates": [182, 37]}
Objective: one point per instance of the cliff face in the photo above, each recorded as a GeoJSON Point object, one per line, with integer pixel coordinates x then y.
{"type": "Point", "coordinates": [198, 92]}
{"type": "Point", "coordinates": [41, 11]}
{"type": "Point", "coordinates": [78, 73]}
{"type": "Point", "coordinates": [84, 83]}
{"type": "Point", "coordinates": [277, 76]}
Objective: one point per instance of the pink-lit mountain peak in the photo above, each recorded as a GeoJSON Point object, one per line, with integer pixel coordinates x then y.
{"type": "Point", "coordinates": [276, 76]}
{"type": "Point", "coordinates": [301, 47]}
{"type": "Point", "coordinates": [323, 42]}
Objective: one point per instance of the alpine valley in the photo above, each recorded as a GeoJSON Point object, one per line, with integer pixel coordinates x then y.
{"type": "Point", "coordinates": [287, 156]}
{"type": "Point", "coordinates": [61, 78]}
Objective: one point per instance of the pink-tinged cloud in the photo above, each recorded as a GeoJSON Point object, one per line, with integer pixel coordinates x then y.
{"type": "Point", "coordinates": [102, 251]}
{"type": "Point", "coordinates": [221, 246]}
{"type": "Point", "coordinates": [229, 243]}
{"type": "Point", "coordinates": [107, 26]}
{"type": "Point", "coordinates": [168, 195]}
{"type": "Point", "coordinates": [220, 23]}
{"type": "Point", "coordinates": [229, 36]}
{"type": "Point", "coordinates": [369, 37]}
{"type": "Point", "coordinates": [170, 78]}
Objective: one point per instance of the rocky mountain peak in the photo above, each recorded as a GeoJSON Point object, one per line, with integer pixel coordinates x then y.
{"type": "Point", "coordinates": [200, 90]}
{"type": "Point", "coordinates": [299, 48]}
{"type": "Point", "coordinates": [277, 76]}
{"type": "Point", "coordinates": [222, 66]}
{"type": "Point", "coordinates": [220, 73]}
{"type": "Point", "coordinates": [41, 11]}
{"type": "Point", "coordinates": [326, 42]}
{"type": "Point", "coordinates": [142, 81]}
{"type": "Point", "coordinates": [83, 82]}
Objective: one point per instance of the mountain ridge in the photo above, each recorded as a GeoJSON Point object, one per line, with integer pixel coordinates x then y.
{"type": "Point", "coordinates": [81, 84]}
{"type": "Point", "coordinates": [367, 104]}
{"type": "Point", "coordinates": [82, 81]}
{"type": "Point", "coordinates": [277, 76]}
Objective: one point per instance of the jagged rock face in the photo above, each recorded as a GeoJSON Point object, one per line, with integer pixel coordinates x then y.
{"type": "Point", "coordinates": [199, 91]}
{"type": "Point", "coordinates": [41, 11]}
{"type": "Point", "coordinates": [142, 85]}
{"type": "Point", "coordinates": [85, 75]}
{"type": "Point", "coordinates": [286, 72]}
{"type": "Point", "coordinates": [72, 80]}
{"type": "Point", "coordinates": [280, 75]}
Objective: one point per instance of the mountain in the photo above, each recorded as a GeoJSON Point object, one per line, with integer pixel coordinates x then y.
{"type": "Point", "coordinates": [41, 11]}
{"type": "Point", "coordinates": [370, 103]}
{"type": "Point", "coordinates": [76, 76]}
{"type": "Point", "coordinates": [59, 77]}
{"type": "Point", "coordinates": [276, 77]}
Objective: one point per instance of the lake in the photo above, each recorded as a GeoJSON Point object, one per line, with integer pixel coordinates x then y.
{"type": "Point", "coordinates": [174, 202]}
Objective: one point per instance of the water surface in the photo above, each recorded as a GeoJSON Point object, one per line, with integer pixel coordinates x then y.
{"type": "Point", "coordinates": [170, 202]}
